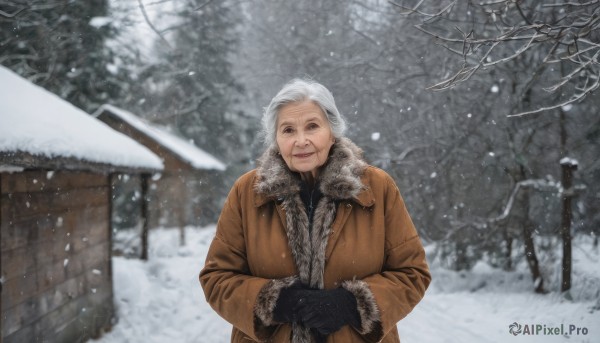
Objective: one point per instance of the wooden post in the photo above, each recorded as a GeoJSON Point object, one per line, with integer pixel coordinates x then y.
{"type": "Point", "coordinates": [111, 193]}
{"type": "Point", "coordinates": [508, 266]}
{"type": "Point", "coordinates": [182, 206]}
{"type": "Point", "coordinates": [144, 216]}
{"type": "Point", "coordinates": [568, 166]}
{"type": "Point", "coordinates": [1, 229]}
{"type": "Point", "coordinates": [528, 232]}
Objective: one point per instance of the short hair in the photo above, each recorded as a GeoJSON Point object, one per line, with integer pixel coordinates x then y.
{"type": "Point", "coordinates": [298, 90]}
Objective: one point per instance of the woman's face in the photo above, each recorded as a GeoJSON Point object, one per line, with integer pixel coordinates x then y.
{"type": "Point", "coordinates": [304, 137]}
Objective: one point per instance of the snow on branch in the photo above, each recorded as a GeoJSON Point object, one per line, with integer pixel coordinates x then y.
{"type": "Point", "coordinates": [415, 9]}
{"type": "Point", "coordinates": [538, 184]}
{"type": "Point", "coordinates": [152, 27]}
{"type": "Point", "coordinates": [489, 33]}
{"type": "Point", "coordinates": [535, 183]}
{"type": "Point", "coordinates": [11, 15]}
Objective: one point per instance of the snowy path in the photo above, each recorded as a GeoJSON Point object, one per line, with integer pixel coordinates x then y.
{"type": "Point", "coordinates": [161, 301]}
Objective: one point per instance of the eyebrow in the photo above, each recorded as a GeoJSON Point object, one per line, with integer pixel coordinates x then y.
{"type": "Point", "coordinates": [315, 118]}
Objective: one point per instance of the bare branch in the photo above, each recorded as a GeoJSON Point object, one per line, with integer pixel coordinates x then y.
{"type": "Point", "coordinates": [516, 54]}
{"type": "Point", "coordinates": [415, 8]}
{"type": "Point", "coordinates": [11, 15]}
{"type": "Point", "coordinates": [572, 4]}
{"type": "Point", "coordinates": [464, 74]}
{"type": "Point", "coordinates": [568, 77]}
{"type": "Point", "coordinates": [576, 98]}
{"type": "Point", "coordinates": [522, 14]}
{"type": "Point", "coordinates": [521, 184]}
{"type": "Point", "coordinates": [141, 5]}
{"type": "Point", "coordinates": [567, 33]}
{"type": "Point", "coordinates": [409, 10]}
{"type": "Point", "coordinates": [30, 57]}
{"type": "Point", "coordinates": [203, 5]}
{"type": "Point", "coordinates": [158, 2]}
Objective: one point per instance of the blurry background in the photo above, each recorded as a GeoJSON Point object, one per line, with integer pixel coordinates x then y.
{"type": "Point", "coordinates": [483, 185]}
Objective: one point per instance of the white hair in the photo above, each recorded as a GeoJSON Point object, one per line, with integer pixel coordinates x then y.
{"type": "Point", "coordinates": [298, 90]}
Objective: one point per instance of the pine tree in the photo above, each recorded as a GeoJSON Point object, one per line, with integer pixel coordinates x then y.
{"type": "Point", "coordinates": [60, 46]}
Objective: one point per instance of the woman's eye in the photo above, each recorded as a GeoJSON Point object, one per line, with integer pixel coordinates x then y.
{"type": "Point", "coordinates": [312, 126]}
{"type": "Point", "coordinates": [287, 130]}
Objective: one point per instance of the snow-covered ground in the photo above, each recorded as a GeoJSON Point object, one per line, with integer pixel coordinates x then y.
{"type": "Point", "coordinates": [161, 301]}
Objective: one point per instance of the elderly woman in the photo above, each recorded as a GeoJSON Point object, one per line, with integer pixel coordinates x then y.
{"type": "Point", "coordinates": [314, 245]}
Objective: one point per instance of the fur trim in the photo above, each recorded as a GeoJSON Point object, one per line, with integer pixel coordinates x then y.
{"type": "Point", "coordinates": [322, 222]}
{"type": "Point", "coordinates": [298, 235]}
{"type": "Point", "coordinates": [366, 305]}
{"type": "Point", "coordinates": [267, 299]}
{"type": "Point", "coordinates": [339, 179]}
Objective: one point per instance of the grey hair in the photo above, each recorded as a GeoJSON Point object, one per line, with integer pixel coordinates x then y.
{"type": "Point", "coordinates": [298, 90]}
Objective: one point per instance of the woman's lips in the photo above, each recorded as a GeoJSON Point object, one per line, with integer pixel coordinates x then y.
{"type": "Point", "coordinates": [303, 155]}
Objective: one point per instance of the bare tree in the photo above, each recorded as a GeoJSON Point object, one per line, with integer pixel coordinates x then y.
{"type": "Point", "coordinates": [563, 38]}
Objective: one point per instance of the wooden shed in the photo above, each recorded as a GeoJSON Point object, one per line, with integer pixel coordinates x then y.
{"type": "Point", "coordinates": [176, 198]}
{"type": "Point", "coordinates": [56, 163]}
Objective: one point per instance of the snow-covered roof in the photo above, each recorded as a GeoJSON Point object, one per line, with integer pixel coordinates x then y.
{"type": "Point", "coordinates": [186, 150]}
{"type": "Point", "coordinates": [37, 122]}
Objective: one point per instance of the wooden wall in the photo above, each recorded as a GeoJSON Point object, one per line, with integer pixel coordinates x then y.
{"type": "Point", "coordinates": [55, 256]}
{"type": "Point", "coordinates": [169, 200]}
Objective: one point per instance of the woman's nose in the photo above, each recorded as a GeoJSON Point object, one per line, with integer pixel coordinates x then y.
{"type": "Point", "coordinates": [302, 140]}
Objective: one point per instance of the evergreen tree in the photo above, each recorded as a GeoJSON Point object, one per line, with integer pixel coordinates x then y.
{"type": "Point", "coordinates": [60, 46]}
{"type": "Point", "coordinates": [190, 86]}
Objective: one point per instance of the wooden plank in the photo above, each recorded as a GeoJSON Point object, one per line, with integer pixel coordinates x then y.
{"type": "Point", "coordinates": [18, 290]}
{"type": "Point", "coordinates": [51, 241]}
{"type": "Point", "coordinates": [13, 237]}
{"type": "Point", "coordinates": [92, 227]}
{"type": "Point", "coordinates": [19, 316]}
{"type": "Point", "coordinates": [85, 227]}
{"type": "Point", "coordinates": [52, 323]}
{"type": "Point", "coordinates": [41, 228]}
{"type": "Point", "coordinates": [33, 181]}
{"type": "Point", "coordinates": [92, 256]}
{"type": "Point", "coordinates": [78, 320]}
{"type": "Point", "coordinates": [30, 161]}
{"type": "Point", "coordinates": [50, 275]}
{"type": "Point", "coordinates": [56, 308]}
{"type": "Point", "coordinates": [56, 269]}
{"type": "Point", "coordinates": [25, 205]}
{"type": "Point", "coordinates": [94, 268]}
{"type": "Point", "coordinates": [17, 263]}
{"type": "Point", "coordinates": [20, 233]}
{"type": "Point", "coordinates": [92, 286]}
{"type": "Point", "coordinates": [72, 264]}
{"type": "Point", "coordinates": [48, 301]}
{"type": "Point", "coordinates": [26, 334]}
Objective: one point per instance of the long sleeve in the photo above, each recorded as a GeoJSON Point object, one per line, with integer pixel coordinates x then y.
{"type": "Point", "coordinates": [228, 286]}
{"type": "Point", "coordinates": [387, 297]}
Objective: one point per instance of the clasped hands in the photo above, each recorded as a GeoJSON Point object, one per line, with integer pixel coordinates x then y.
{"type": "Point", "coordinates": [325, 311]}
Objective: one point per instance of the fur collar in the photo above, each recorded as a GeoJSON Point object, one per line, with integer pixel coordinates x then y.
{"type": "Point", "coordinates": [339, 179]}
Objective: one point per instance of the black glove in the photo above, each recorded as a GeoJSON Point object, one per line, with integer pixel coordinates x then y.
{"type": "Point", "coordinates": [328, 310]}
{"type": "Point", "coordinates": [286, 307]}
{"type": "Point", "coordinates": [318, 337]}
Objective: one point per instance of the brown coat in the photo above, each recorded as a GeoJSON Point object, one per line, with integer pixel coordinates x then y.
{"type": "Point", "coordinates": [362, 239]}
